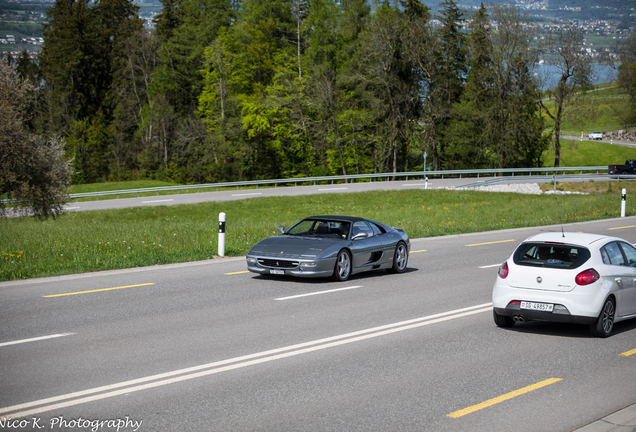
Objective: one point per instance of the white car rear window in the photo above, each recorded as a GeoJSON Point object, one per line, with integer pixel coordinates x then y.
{"type": "Point", "coordinates": [551, 255]}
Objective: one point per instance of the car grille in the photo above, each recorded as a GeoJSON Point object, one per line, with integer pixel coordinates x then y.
{"type": "Point", "coordinates": [277, 263]}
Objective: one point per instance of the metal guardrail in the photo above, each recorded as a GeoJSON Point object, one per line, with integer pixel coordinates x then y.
{"type": "Point", "coordinates": [552, 178]}
{"type": "Point", "coordinates": [342, 178]}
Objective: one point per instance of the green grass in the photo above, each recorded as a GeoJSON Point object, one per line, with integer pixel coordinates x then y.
{"type": "Point", "coordinates": [113, 186]}
{"type": "Point", "coordinates": [589, 153]}
{"type": "Point", "coordinates": [142, 236]}
{"type": "Point", "coordinates": [593, 113]}
{"type": "Point", "coordinates": [600, 110]}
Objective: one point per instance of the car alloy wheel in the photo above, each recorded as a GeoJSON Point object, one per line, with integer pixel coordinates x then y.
{"type": "Point", "coordinates": [604, 324]}
{"type": "Point", "coordinates": [400, 258]}
{"type": "Point", "coordinates": [343, 266]}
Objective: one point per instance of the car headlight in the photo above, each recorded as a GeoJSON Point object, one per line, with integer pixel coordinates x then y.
{"type": "Point", "coordinates": [308, 264]}
{"type": "Point", "coordinates": [251, 260]}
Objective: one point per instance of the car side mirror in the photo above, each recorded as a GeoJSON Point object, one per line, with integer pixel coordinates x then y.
{"type": "Point", "coordinates": [281, 229]}
{"type": "Point", "coordinates": [360, 236]}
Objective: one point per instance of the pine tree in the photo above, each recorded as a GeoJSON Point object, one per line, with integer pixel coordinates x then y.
{"type": "Point", "coordinates": [446, 83]}
{"type": "Point", "coordinates": [71, 63]}
{"type": "Point", "coordinates": [83, 50]}
{"type": "Point", "coordinates": [27, 68]}
{"type": "Point", "coordinates": [170, 18]}
{"type": "Point", "coordinates": [453, 52]}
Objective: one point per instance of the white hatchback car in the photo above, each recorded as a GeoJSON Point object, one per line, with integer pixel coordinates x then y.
{"type": "Point", "coordinates": [567, 277]}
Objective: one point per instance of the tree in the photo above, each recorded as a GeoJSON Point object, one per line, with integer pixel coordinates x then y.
{"type": "Point", "coordinates": [449, 75]}
{"type": "Point", "coordinates": [27, 68]}
{"type": "Point", "coordinates": [324, 93]}
{"type": "Point", "coordinates": [565, 45]}
{"type": "Point", "coordinates": [388, 72]}
{"type": "Point", "coordinates": [33, 171]}
{"type": "Point", "coordinates": [131, 85]}
{"type": "Point", "coordinates": [85, 47]}
{"type": "Point", "coordinates": [170, 18]}
{"type": "Point", "coordinates": [470, 141]}
{"type": "Point", "coordinates": [72, 65]}
{"type": "Point", "coordinates": [421, 49]}
{"type": "Point", "coordinates": [178, 77]}
{"type": "Point", "coordinates": [627, 73]}
{"type": "Point", "coordinates": [512, 124]}
{"type": "Point", "coordinates": [187, 27]}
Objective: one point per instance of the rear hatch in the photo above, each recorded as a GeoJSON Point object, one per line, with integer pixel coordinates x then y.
{"type": "Point", "coordinates": [547, 266]}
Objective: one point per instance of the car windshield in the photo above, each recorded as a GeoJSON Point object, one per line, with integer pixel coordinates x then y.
{"type": "Point", "coordinates": [320, 228]}
{"type": "Point", "coordinates": [551, 255]}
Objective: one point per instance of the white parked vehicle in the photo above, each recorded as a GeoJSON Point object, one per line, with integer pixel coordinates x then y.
{"type": "Point", "coordinates": [567, 277]}
{"type": "Point", "coordinates": [595, 135]}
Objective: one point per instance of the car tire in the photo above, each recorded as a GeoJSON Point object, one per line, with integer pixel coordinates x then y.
{"type": "Point", "coordinates": [604, 324]}
{"type": "Point", "coordinates": [342, 270]}
{"type": "Point", "coordinates": [502, 320]}
{"type": "Point", "coordinates": [400, 258]}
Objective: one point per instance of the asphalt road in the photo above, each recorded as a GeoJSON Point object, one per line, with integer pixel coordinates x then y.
{"type": "Point", "coordinates": [206, 346]}
{"type": "Point", "coordinates": [232, 195]}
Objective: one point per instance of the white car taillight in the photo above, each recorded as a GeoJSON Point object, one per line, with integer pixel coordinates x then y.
{"type": "Point", "coordinates": [503, 271]}
{"type": "Point", "coordinates": [587, 277]}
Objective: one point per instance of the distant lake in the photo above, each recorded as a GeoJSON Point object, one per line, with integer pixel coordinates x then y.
{"type": "Point", "coordinates": [602, 74]}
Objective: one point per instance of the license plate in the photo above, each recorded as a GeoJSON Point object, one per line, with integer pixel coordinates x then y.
{"type": "Point", "coordinates": [537, 306]}
{"type": "Point", "coordinates": [277, 272]}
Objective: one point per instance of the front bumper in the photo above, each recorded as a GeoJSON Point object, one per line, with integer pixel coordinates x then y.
{"type": "Point", "coordinates": [291, 267]}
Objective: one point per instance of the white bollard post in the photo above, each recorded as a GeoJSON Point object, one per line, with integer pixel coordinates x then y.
{"type": "Point", "coordinates": [623, 202]}
{"type": "Point", "coordinates": [221, 234]}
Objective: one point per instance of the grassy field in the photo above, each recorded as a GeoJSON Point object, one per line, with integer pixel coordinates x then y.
{"type": "Point", "coordinates": [102, 240]}
{"type": "Point", "coordinates": [589, 153]}
{"type": "Point", "coordinates": [598, 110]}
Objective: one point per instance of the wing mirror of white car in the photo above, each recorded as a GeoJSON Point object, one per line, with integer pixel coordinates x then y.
{"type": "Point", "coordinates": [360, 236]}
{"type": "Point", "coordinates": [281, 229]}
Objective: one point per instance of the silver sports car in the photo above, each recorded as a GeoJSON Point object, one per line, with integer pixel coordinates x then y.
{"type": "Point", "coordinates": [339, 246]}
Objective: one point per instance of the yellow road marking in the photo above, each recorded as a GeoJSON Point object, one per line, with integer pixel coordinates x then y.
{"type": "Point", "coordinates": [423, 250]}
{"type": "Point", "coordinates": [631, 226]}
{"type": "Point", "coordinates": [628, 353]}
{"type": "Point", "coordinates": [501, 241]}
{"type": "Point", "coordinates": [502, 398]}
{"type": "Point", "coordinates": [98, 290]}
{"type": "Point", "coordinates": [244, 271]}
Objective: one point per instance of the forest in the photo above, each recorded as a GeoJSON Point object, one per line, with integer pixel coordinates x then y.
{"type": "Point", "coordinates": [227, 90]}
